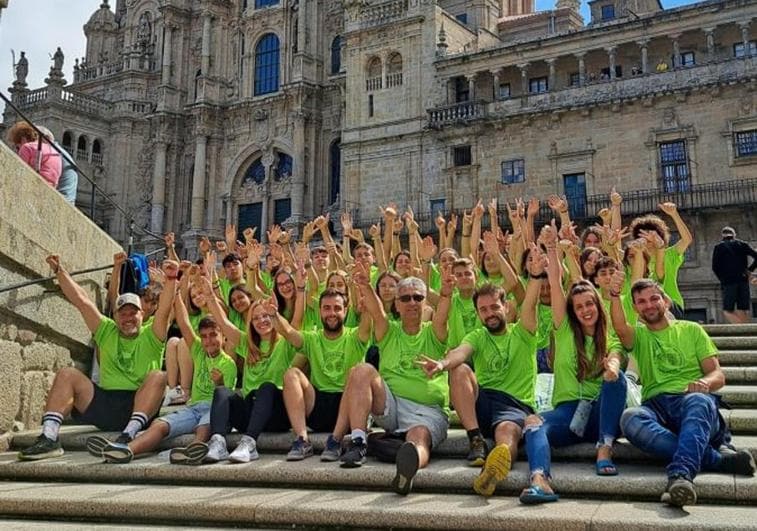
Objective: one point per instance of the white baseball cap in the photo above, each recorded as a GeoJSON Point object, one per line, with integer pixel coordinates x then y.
{"type": "Point", "coordinates": [128, 298]}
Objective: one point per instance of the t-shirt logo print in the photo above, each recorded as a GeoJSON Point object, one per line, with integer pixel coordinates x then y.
{"type": "Point", "coordinates": [668, 359]}
{"type": "Point", "coordinates": [333, 363]}
{"type": "Point", "coordinates": [125, 361]}
{"type": "Point", "coordinates": [498, 362]}
{"type": "Point", "coordinates": [407, 360]}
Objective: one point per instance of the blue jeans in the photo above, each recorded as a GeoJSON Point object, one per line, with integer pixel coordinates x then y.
{"type": "Point", "coordinates": [603, 425]}
{"type": "Point", "coordinates": [684, 429]}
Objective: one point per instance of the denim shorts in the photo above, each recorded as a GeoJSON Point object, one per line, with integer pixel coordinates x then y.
{"type": "Point", "coordinates": [401, 414]}
{"type": "Point", "coordinates": [187, 419]}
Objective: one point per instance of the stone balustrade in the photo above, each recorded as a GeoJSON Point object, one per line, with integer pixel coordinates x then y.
{"type": "Point", "coordinates": [374, 83]}
{"type": "Point", "coordinates": [31, 98]}
{"type": "Point", "coordinates": [87, 73]}
{"type": "Point", "coordinates": [394, 79]}
{"type": "Point", "coordinates": [457, 113]}
{"type": "Point", "coordinates": [85, 103]}
{"type": "Point", "coordinates": [374, 14]}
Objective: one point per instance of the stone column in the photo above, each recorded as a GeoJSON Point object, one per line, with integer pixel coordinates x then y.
{"type": "Point", "coordinates": [581, 68]}
{"type": "Point", "coordinates": [165, 77]}
{"type": "Point", "coordinates": [551, 81]}
{"type": "Point", "coordinates": [206, 21]}
{"type": "Point", "coordinates": [611, 53]}
{"type": "Point", "coordinates": [495, 84]}
{"type": "Point", "coordinates": [644, 46]}
{"type": "Point", "coordinates": [523, 78]}
{"type": "Point", "coordinates": [471, 86]}
{"type": "Point", "coordinates": [298, 175]}
{"type": "Point", "coordinates": [158, 188]}
{"type": "Point", "coordinates": [676, 50]}
{"type": "Point", "coordinates": [745, 36]}
{"type": "Point", "coordinates": [198, 182]}
{"type": "Point", "coordinates": [709, 35]}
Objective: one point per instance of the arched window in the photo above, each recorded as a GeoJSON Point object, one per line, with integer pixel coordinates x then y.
{"type": "Point", "coordinates": [373, 75]}
{"type": "Point", "coordinates": [335, 165]}
{"type": "Point", "coordinates": [255, 174]}
{"type": "Point", "coordinates": [283, 168]}
{"type": "Point", "coordinates": [336, 55]}
{"type": "Point", "coordinates": [267, 65]}
{"type": "Point", "coordinates": [67, 140]}
{"type": "Point", "coordinates": [394, 70]}
{"type": "Point", "coordinates": [81, 148]}
{"type": "Point", "coordinates": [265, 3]}
{"type": "Point", "coordinates": [97, 152]}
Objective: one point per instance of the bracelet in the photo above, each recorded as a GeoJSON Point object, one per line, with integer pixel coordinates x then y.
{"type": "Point", "coordinates": [466, 235]}
{"type": "Point", "coordinates": [174, 277]}
{"type": "Point", "coordinates": [299, 288]}
{"type": "Point", "coordinates": [614, 294]}
{"type": "Point", "coordinates": [541, 276]}
{"type": "Point", "coordinates": [445, 295]}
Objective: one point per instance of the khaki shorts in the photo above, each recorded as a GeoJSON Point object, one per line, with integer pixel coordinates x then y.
{"type": "Point", "coordinates": [400, 415]}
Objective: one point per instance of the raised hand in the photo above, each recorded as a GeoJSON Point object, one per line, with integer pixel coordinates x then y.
{"type": "Point", "coordinates": [274, 234]}
{"type": "Point", "coordinates": [452, 223]}
{"type": "Point", "coordinates": [170, 269]}
{"type": "Point", "coordinates": [606, 216]}
{"type": "Point", "coordinates": [397, 225]}
{"type": "Point", "coordinates": [491, 245]}
{"type": "Point", "coordinates": [204, 245]}
{"type": "Point", "coordinates": [54, 262]}
{"type": "Point", "coordinates": [307, 231]}
{"type": "Point", "coordinates": [467, 222]}
{"type": "Point", "coordinates": [301, 253]}
{"type": "Point", "coordinates": [533, 207]}
{"type": "Point", "coordinates": [429, 365]}
{"type": "Point", "coordinates": [249, 234]}
{"type": "Point", "coordinates": [478, 210]}
{"type": "Point", "coordinates": [221, 247]}
{"type": "Point", "coordinates": [427, 249]}
{"type": "Point", "coordinates": [360, 276]}
{"type": "Point", "coordinates": [374, 232]}
{"type": "Point", "coordinates": [157, 276]}
{"type": "Point", "coordinates": [119, 259]}
{"type": "Point", "coordinates": [568, 232]}
{"type": "Point", "coordinates": [448, 282]}
{"type": "Point", "coordinates": [346, 220]}
{"type": "Point", "coordinates": [389, 212]}
{"type": "Point", "coordinates": [230, 233]}
{"type": "Point", "coordinates": [615, 198]}
{"type": "Point", "coordinates": [539, 262]}
{"type": "Point", "coordinates": [548, 234]}
{"type": "Point", "coordinates": [653, 238]}
{"type": "Point", "coordinates": [668, 208]}
{"type": "Point", "coordinates": [492, 208]}
{"type": "Point", "coordinates": [254, 252]}
{"type": "Point", "coordinates": [512, 214]}
{"type": "Point", "coordinates": [439, 221]}
{"type": "Point", "coordinates": [204, 284]}
{"type": "Point", "coordinates": [300, 275]}
{"type": "Point", "coordinates": [170, 239]}
{"type": "Point", "coordinates": [270, 306]}
{"type": "Point", "coordinates": [617, 281]}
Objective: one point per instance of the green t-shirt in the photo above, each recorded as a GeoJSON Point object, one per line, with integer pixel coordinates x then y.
{"type": "Point", "coordinates": [124, 362]}
{"type": "Point", "coordinates": [194, 320]}
{"type": "Point", "coordinates": [202, 384]}
{"type": "Point", "coordinates": [399, 352]}
{"type": "Point", "coordinates": [267, 280]}
{"type": "Point", "coordinates": [331, 359]}
{"type": "Point", "coordinates": [628, 310]}
{"type": "Point", "coordinates": [312, 318]}
{"type": "Point", "coordinates": [673, 262]}
{"type": "Point", "coordinates": [567, 387]}
{"type": "Point", "coordinates": [224, 286]}
{"type": "Point", "coordinates": [670, 359]}
{"type": "Point", "coordinates": [434, 277]}
{"type": "Point", "coordinates": [462, 319]}
{"type": "Point", "coordinates": [271, 366]}
{"type": "Point", "coordinates": [505, 362]}
{"type": "Point", "coordinates": [544, 325]}
{"type": "Point", "coordinates": [239, 321]}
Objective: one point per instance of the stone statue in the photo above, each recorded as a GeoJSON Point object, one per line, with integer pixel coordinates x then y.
{"type": "Point", "coordinates": [144, 30]}
{"type": "Point", "coordinates": [58, 60]}
{"type": "Point", "coordinates": [22, 69]}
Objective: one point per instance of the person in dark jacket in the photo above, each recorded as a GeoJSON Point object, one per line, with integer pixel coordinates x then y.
{"type": "Point", "coordinates": [729, 263]}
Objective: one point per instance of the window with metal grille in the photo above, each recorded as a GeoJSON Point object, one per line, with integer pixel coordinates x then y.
{"type": "Point", "coordinates": [461, 156]}
{"type": "Point", "coordinates": [745, 143]}
{"type": "Point", "coordinates": [738, 49]}
{"type": "Point", "coordinates": [437, 206]}
{"type": "Point", "coordinates": [575, 79]}
{"type": "Point", "coordinates": [504, 91]}
{"type": "Point", "coordinates": [687, 59]}
{"type": "Point", "coordinates": [336, 55]}
{"type": "Point", "coordinates": [537, 85]}
{"type": "Point", "coordinates": [267, 65]}
{"type": "Point", "coordinates": [249, 217]}
{"type": "Point", "coordinates": [674, 166]}
{"type": "Point", "coordinates": [513, 171]}
{"type": "Point", "coordinates": [282, 209]}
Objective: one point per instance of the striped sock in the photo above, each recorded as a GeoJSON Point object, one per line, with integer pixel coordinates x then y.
{"type": "Point", "coordinates": [51, 422]}
{"type": "Point", "coordinates": [136, 423]}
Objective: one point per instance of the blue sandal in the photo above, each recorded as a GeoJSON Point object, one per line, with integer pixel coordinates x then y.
{"type": "Point", "coordinates": [534, 495]}
{"type": "Point", "coordinates": [605, 467]}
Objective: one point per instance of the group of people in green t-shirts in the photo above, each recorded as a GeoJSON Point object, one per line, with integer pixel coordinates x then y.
{"type": "Point", "coordinates": [533, 338]}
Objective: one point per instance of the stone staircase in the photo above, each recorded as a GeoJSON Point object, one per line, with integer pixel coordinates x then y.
{"type": "Point", "coordinates": [274, 493]}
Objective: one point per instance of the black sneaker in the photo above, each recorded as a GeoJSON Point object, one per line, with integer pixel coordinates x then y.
{"type": "Point", "coordinates": [739, 462]}
{"type": "Point", "coordinates": [332, 451]}
{"type": "Point", "coordinates": [407, 466]}
{"type": "Point", "coordinates": [354, 455]}
{"type": "Point", "coordinates": [680, 492]}
{"type": "Point", "coordinates": [124, 438]}
{"type": "Point", "coordinates": [478, 451]}
{"type": "Point", "coordinates": [42, 449]}
{"type": "Point", "coordinates": [118, 453]}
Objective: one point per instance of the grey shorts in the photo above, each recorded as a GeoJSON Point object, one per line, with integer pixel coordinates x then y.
{"type": "Point", "coordinates": [401, 414]}
{"type": "Point", "coordinates": [188, 419]}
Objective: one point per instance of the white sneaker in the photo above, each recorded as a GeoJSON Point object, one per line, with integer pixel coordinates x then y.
{"type": "Point", "coordinates": [217, 450]}
{"type": "Point", "coordinates": [175, 396]}
{"type": "Point", "coordinates": [245, 452]}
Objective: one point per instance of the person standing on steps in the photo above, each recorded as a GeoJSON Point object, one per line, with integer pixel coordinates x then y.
{"type": "Point", "coordinates": [679, 370]}
{"type": "Point", "coordinates": [131, 384]}
{"type": "Point", "coordinates": [399, 395]}
{"type": "Point", "coordinates": [494, 398]}
{"type": "Point", "coordinates": [729, 263]}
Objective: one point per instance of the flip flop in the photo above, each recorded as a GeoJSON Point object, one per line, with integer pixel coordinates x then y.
{"type": "Point", "coordinates": [534, 495]}
{"type": "Point", "coordinates": [605, 467]}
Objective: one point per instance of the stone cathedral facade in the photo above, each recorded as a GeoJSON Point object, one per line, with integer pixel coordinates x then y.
{"type": "Point", "coordinates": [197, 113]}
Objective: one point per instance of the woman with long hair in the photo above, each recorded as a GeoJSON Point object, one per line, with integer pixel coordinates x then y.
{"type": "Point", "coordinates": [589, 389]}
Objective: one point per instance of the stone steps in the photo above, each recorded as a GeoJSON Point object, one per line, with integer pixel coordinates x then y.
{"type": "Point", "coordinates": [740, 396]}
{"type": "Point", "coordinates": [737, 358]}
{"type": "Point", "coordinates": [735, 342]}
{"type": "Point", "coordinates": [740, 375]}
{"type": "Point", "coordinates": [731, 330]}
{"type": "Point", "coordinates": [306, 508]}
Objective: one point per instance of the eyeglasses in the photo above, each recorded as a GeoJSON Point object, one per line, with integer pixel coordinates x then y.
{"type": "Point", "coordinates": [417, 297]}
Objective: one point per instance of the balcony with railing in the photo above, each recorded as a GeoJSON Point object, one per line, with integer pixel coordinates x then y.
{"type": "Point", "coordinates": [375, 14]}
{"type": "Point", "coordinates": [373, 83]}
{"type": "Point", "coordinates": [394, 80]}
{"type": "Point", "coordinates": [457, 113]}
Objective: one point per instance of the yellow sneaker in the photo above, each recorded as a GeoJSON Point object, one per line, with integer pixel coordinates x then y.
{"type": "Point", "coordinates": [496, 468]}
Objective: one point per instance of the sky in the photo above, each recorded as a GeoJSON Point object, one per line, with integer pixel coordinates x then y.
{"type": "Point", "coordinates": [39, 26]}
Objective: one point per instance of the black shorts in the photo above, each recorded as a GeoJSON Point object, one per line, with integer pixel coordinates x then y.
{"type": "Point", "coordinates": [109, 410]}
{"type": "Point", "coordinates": [494, 407]}
{"type": "Point", "coordinates": [325, 411]}
{"type": "Point", "coordinates": [736, 296]}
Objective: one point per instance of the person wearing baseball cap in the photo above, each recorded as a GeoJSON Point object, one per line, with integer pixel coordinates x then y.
{"type": "Point", "coordinates": [729, 263]}
{"type": "Point", "coordinates": [130, 356]}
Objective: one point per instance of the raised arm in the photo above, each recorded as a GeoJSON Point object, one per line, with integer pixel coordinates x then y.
{"type": "Point", "coordinates": [512, 284]}
{"type": "Point", "coordinates": [441, 315]}
{"type": "Point", "coordinates": [528, 317]}
{"type": "Point", "coordinates": [230, 331]}
{"type": "Point", "coordinates": [165, 302]}
{"type": "Point", "coordinates": [475, 235]}
{"type": "Point", "coordinates": [624, 331]}
{"type": "Point", "coordinates": [373, 306]}
{"type": "Point", "coordinates": [616, 219]}
{"type": "Point", "coordinates": [441, 227]}
{"type": "Point", "coordinates": [378, 247]}
{"type": "Point", "coordinates": [282, 326]}
{"type": "Point", "coordinates": [75, 294]}
{"type": "Point", "coordinates": [182, 320]}
{"type": "Point", "coordinates": [554, 274]}
{"type": "Point", "coordinates": [451, 231]}
{"type": "Point", "coordinates": [346, 220]}
{"type": "Point", "coordinates": [119, 259]}
{"type": "Point", "coordinates": [170, 240]}
{"type": "Point", "coordinates": [683, 230]}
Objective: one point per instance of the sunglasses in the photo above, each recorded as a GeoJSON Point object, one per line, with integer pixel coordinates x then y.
{"type": "Point", "coordinates": [415, 297]}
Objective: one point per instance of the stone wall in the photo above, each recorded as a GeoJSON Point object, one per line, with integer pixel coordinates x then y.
{"type": "Point", "coordinates": [40, 332]}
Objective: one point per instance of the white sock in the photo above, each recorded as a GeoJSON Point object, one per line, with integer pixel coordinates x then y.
{"type": "Point", "coordinates": [358, 434]}
{"type": "Point", "coordinates": [51, 422]}
{"type": "Point", "coordinates": [137, 422]}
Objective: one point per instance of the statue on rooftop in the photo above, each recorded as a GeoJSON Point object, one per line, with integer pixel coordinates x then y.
{"type": "Point", "coordinates": [22, 69]}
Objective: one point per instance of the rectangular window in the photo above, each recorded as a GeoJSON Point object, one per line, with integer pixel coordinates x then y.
{"type": "Point", "coordinates": [461, 156]}
{"type": "Point", "coordinates": [462, 92]}
{"type": "Point", "coordinates": [370, 105]}
{"type": "Point", "coordinates": [606, 72]}
{"type": "Point", "coordinates": [250, 216]}
{"type": "Point", "coordinates": [575, 192]}
{"type": "Point", "coordinates": [282, 209]}
{"type": "Point", "coordinates": [674, 166]}
{"type": "Point", "coordinates": [437, 206]}
{"type": "Point", "coordinates": [745, 143]}
{"type": "Point", "coordinates": [608, 12]}
{"type": "Point", "coordinates": [738, 49]}
{"type": "Point", "coordinates": [462, 17]}
{"type": "Point", "coordinates": [687, 59]}
{"type": "Point", "coordinates": [504, 91]}
{"type": "Point", "coordinates": [575, 79]}
{"type": "Point", "coordinates": [513, 171]}
{"type": "Point", "coordinates": [538, 85]}
{"type": "Point", "coordinates": [265, 3]}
